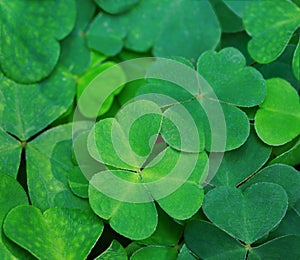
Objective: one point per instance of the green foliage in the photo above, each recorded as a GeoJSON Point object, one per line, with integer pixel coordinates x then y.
{"type": "Point", "coordinates": [107, 154]}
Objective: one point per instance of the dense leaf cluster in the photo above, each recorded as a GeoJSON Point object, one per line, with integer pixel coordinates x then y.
{"type": "Point", "coordinates": [248, 52]}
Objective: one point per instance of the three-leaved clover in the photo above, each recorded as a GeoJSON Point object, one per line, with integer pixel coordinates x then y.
{"type": "Point", "coordinates": [224, 84]}
{"type": "Point", "coordinates": [125, 193]}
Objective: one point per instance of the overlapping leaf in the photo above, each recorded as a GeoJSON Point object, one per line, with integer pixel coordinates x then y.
{"type": "Point", "coordinates": [28, 109]}
{"type": "Point", "coordinates": [239, 164]}
{"type": "Point", "coordinates": [11, 195]}
{"type": "Point", "coordinates": [57, 233]}
{"type": "Point", "coordinates": [193, 24]}
{"type": "Point", "coordinates": [126, 143]}
{"type": "Point", "coordinates": [247, 216]}
{"type": "Point", "coordinates": [271, 24]}
{"type": "Point", "coordinates": [48, 162]}
{"type": "Point", "coordinates": [29, 37]}
{"type": "Point", "coordinates": [278, 119]}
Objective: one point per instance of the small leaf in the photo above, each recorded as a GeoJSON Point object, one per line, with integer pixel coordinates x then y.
{"type": "Point", "coordinates": [114, 251]}
{"type": "Point", "coordinates": [208, 242]}
{"type": "Point", "coordinates": [51, 234]}
{"type": "Point", "coordinates": [271, 24]}
{"type": "Point", "coordinates": [278, 119]}
{"type": "Point", "coordinates": [246, 216]}
{"type": "Point", "coordinates": [115, 77]}
{"type": "Point", "coordinates": [11, 195]}
{"type": "Point", "coordinates": [30, 37]}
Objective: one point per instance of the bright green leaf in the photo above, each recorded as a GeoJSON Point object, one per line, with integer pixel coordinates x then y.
{"type": "Point", "coordinates": [30, 37]}
{"type": "Point", "coordinates": [271, 24]}
{"type": "Point", "coordinates": [56, 234]}
{"type": "Point", "coordinates": [114, 251]}
{"type": "Point", "coordinates": [278, 119]}
{"type": "Point", "coordinates": [296, 62]}
{"type": "Point", "coordinates": [134, 220]}
{"type": "Point", "coordinates": [11, 195]}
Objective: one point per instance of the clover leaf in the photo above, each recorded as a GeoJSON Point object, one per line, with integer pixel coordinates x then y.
{"type": "Point", "coordinates": [282, 67]}
{"type": "Point", "coordinates": [229, 21]}
{"type": "Point", "coordinates": [29, 54]}
{"type": "Point", "coordinates": [20, 116]}
{"type": "Point", "coordinates": [212, 242]}
{"type": "Point", "coordinates": [281, 174]}
{"type": "Point", "coordinates": [282, 247]}
{"type": "Point", "coordinates": [201, 237]}
{"type": "Point", "coordinates": [11, 195]}
{"type": "Point", "coordinates": [115, 78]}
{"type": "Point", "coordinates": [181, 22]}
{"type": "Point", "coordinates": [114, 251]}
{"type": "Point", "coordinates": [271, 24]}
{"type": "Point", "coordinates": [75, 54]}
{"type": "Point", "coordinates": [239, 164]}
{"type": "Point", "coordinates": [50, 234]}
{"type": "Point", "coordinates": [278, 119]}
{"type": "Point", "coordinates": [246, 216]}
{"type": "Point", "coordinates": [48, 161]}
{"type": "Point", "coordinates": [130, 138]}
{"type": "Point", "coordinates": [231, 84]}
{"type": "Point", "coordinates": [290, 157]}
{"type": "Point", "coordinates": [10, 154]}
